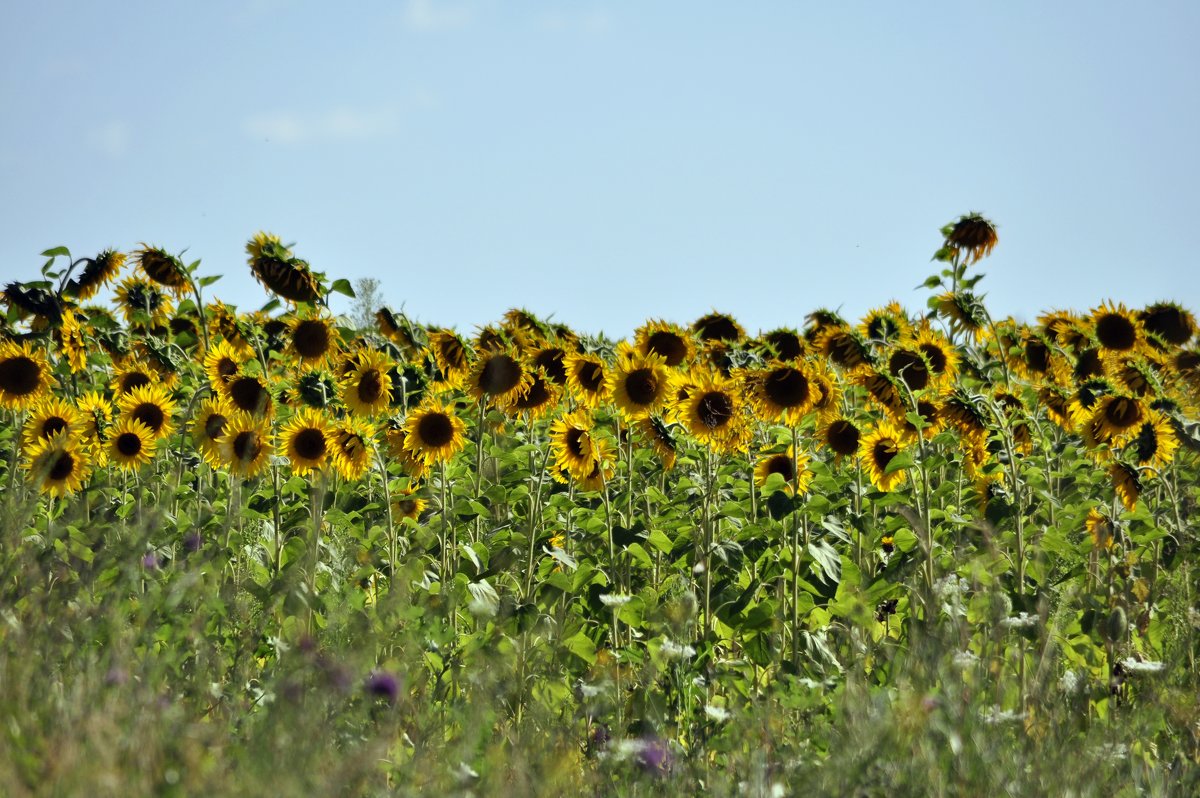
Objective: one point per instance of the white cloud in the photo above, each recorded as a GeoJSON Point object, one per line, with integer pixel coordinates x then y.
{"type": "Point", "coordinates": [338, 124]}
{"type": "Point", "coordinates": [111, 138]}
{"type": "Point", "coordinates": [428, 15]}
{"type": "Point", "coordinates": [594, 21]}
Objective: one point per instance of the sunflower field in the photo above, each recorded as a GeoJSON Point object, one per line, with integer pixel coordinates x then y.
{"type": "Point", "coordinates": [263, 552]}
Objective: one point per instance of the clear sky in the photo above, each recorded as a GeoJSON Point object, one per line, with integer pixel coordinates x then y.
{"type": "Point", "coordinates": [610, 162]}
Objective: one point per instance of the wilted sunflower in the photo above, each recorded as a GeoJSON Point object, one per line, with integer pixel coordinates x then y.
{"type": "Point", "coordinates": [841, 436]}
{"type": "Point", "coordinates": [1115, 419]}
{"type": "Point", "coordinates": [408, 504]}
{"type": "Point", "coordinates": [131, 444]}
{"type": "Point", "coordinates": [434, 433]}
{"type": "Point", "coordinates": [573, 446]}
{"type": "Point", "coordinates": [311, 340]}
{"type": "Point", "coordinates": [1154, 445]}
{"type": "Point", "coordinates": [452, 357]}
{"type": "Point", "coordinates": [396, 437]}
{"type": "Point", "coordinates": [965, 312]}
{"type": "Point", "coordinates": [209, 427]}
{"type": "Point", "coordinates": [714, 413]}
{"type": "Point", "coordinates": [781, 392]}
{"type": "Point", "coordinates": [306, 439]}
{"type": "Point", "coordinates": [638, 383]}
{"type": "Point", "coordinates": [539, 399]}
{"type": "Point", "coordinates": [499, 377]}
{"type": "Point", "coordinates": [151, 405]}
{"type": "Point", "coordinates": [792, 467]}
{"type": "Point", "coordinates": [878, 450]}
{"type": "Point", "coordinates": [246, 446]}
{"type": "Point", "coordinates": [162, 268]}
{"type": "Point", "coordinates": [24, 375]}
{"type": "Point", "coordinates": [1169, 321]}
{"type": "Point", "coordinates": [97, 272]}
{"type": "Point", "coordinates": [366, 386]}
{"type": "Point", "coordinates": [843, 347]}
{"type": "Point", "coordinates": [783, 344]}
{"type": "Point", "coordinates": [1117, 330]}
{"type": "Point", "coordinates": [661, 439]}
{"type": "Point", "coordinates": [249, 394]}
{"type": "Point", "coordinates": [143, 302]}
{"type": "Point", "coordinates": [886, 325]}
{"type": "Point", "coordinates": [50, 417]}
{"type": "Point", "coordinates": [718, 327]}
{"type": "Point", "coordinates": [586, 379]}
{"type": "Point", "coordinates": [352, 442]}
{"type": "Point", "coordinates": [972, 236]}
{"type": "Point", "coordinates": [666, 340]}
{"type": "Point", "coordinates": [71, 341]}
{"type": "Point", "coordinates": [273, 266]}
{"type": "Point", "coordinates": [45, 307]}
{"type": "Point", "coordinates": [223, 362]}
{"type": "Point", "coordinates": [1127, 484]}
{"type": "Point", "coordinates": [58, 465]}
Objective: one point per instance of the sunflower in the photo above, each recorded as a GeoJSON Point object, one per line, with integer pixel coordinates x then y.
{"type": "Point", "coordinates": [223, 362]}
{"type": "Point", "coordinates": [71, 341]}
{"type": "Point", "coordinates": [1036, 359]}
{"type": "Point", "coordinates": [209, 426]}
{"type": "Point", "coordinates": [781, 392]}
{"type": "Point", "coordinates": [1117, 329]}
{"type": "Point", "coordinates": [878, 449]}
{"type": "Point", "coordinates": [783, 344]}
{"type": "Point", "coordinates": [1101, 529]}
{"type": "Point", "coordinates": [452, 357]}
{"type": "Point", "coordinates": [45, 307]}
{"type": "Point", "coordinates": [601, 467]}
{"type": "Point", "coordinates": [97, 413]}
{"type": "Point", "coordinates": [499, 377]}
{"type": "Point", "coordinates": [1116, 419]}
{"type": "Point", "coordinates": [716, 327]}
{"type": "Point", "coordinates": [792, 467]}
{"type": "Point", "coordinates": [965, 312]}
{"type": "Point", "coordinates": [827, 391]}
{"type": "Point", "coordinates": [714, 413]}
{"type": "Point", "coordinates": [434, 433]}
{"type": "Point", "coordinates": [586, 379]}
{"type": "Point", "coordinates": [931, 417]}
{"type": "Point", "coordinates": [1058, 406]}
{"type": "Point", "coordinates": [97, 272]}
{"type": "Point", "coordinates": [132, 444]}
{"type": "Point", "coordinates": [245, 446]}
{"type": "Point", "coordinates": [638, 383]}
{"type": "Point", "coordinates": [133, 373]}
{"type": "Point", "coordinates": [910, 367]}
{"type": "Point", "coordinates": [1136, 374]}
{"type": "Point", "coordinates": [275, 268]}
{"type": "Point", "coordinates": [1168, 321]}
{"type": "Point", "coordinates": [311, 340]}
{"type": "Point", "coordinates": [24, 375]}
{"type": "Point", "coordinates": [352, 442]}
{"type": "Point", "coordinates": [397, 330]}
{"type": "Point", "coordinates": [407, 504]}
{"type": "Point", "coordinates": [881, 389]}
{"type": "Point", "coordinates": [939, 354]}
{"type": "Point", "coordinates": [162, 268]}
{"type": "Point", "coordinates": [843, 347]}
{"type": "Point", "coordinates": [366, 384]}
{"type": "Point", "coordinates": [540, 398]}
{"type": "Point", "coordinates": [1127, 484]}
{"type": "Point", "coordinates": [249, 394]}
{"type": "Point", "coordinates": [58, 465]}
{"type": "Point", "coordinates": [1154, 445]}
{"type": "Point", "coordinates": [972, 237]}
{"type": "Point", "coordinates": [573, 446]}
{"type": "Point", "coordinates": [396, 437]}
{"type": "Point", "coordinates": [1065, 328]}
{"type": "Point", "coordinates": [142, 302]}
{"type": "Point", "coordinates": [151, 405]}
{"type": "Point", "coordinates": [306, 439]}
{"type": "Point", "coordinates": [661, 439]}
{"type": "Point", "coordinates": [841, 436]}
{"type": "Point", "coordinates": [668, 341]}
{"type": "Point", "coordinates": [967, 413]}
{"type": "Point", "coordinates": [50, 417]}
{"type": "Point", "coordinates": [224, 322]}
{"type": "Point", "coordinates": [885, 325]}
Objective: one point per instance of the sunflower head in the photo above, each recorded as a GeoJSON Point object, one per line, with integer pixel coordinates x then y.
{"type": "Point", "coordinates": [274, 267]}
{"type": "Point", "coordinates": [714, 413]}
{"type": "Point", "coordinates": [791, 467]}
{"type": "Point", "coordinates": [162, 268]}
{"type": "Point", "coordinates": [434, 433]}
{"type": "Point", "coordinates": [452, 357]}
{"type": "Point", "coordinates": [50, 417]}
{"type": "Point", "coordinates": [539, 398]}
{"type": "Point", "coordinates": [499, 376]}
{"type": "Point", "coordinates": [143, 303]}
{"type": "Point", "coordinates": [781, 392]}
{"type": "Point", "coordinates": [408, 504]}
{"type": "Point", "coordinates": [1117, 330]}
{"type": "Point", "coordinates": [245, 446]}
{"type": "Point", "coordinates": [353, 442]}
{"type": "Point", "coordinates": [668, 341]}
{"type": "Point", "coordinates": [552, 359]}
{"type": "Point", "coordinates": [586, 379]}
{"type": "Point", "coordinates": [366, 383]}
{"type": "Point", "coordinates": [209, 426]}
{"type": "Point", "coordinates": [972, 237]}
{"type": "Point", "coordinates": [311, 339]}
{"type": "Point", "coordinates": [843, 346]}
{"type": "Point", "coordinates": [661, 438]}
{"type": "Point", "coordinates": [1169, 321]}
{"type": "Point", "coordinates": [841, 436]}
{"type": "Point", "coordinates": [151, 405]}
{"type": "Point", "coordinates": [1127, 484]}
{"type": "Point", "coordinates": [878, 450]}
{"type": "Point", "coordinates": [306, 439]}
{"type": "Point", "coordinates": [249, 394]}
{"type": "Point", "coordinates": [396, 437]}
{"type": "Point", "coordinates": [718, 327]}
{"type": "Point", "coordinates": [24, 375]}
{"type": "Point", "coordinates": [965, 312]}
{"type": "Point", "coordinates": [97, 272]}
{"type": "Point", "coordinates": [638, 383]}
{"type": "Point", "coordinates": [783, 344]}
{"type": "Point", "coordinates": [573, 446]}
{"type": "Point", "coordinates": [58, 465]}
{"type": "Point", "coordinates": [885, 325]}
{"type": "Point", "coordinates": [33, 301]}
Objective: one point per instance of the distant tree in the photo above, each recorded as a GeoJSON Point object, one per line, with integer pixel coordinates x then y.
{"type": "Point", "coordinates": [367, 300]}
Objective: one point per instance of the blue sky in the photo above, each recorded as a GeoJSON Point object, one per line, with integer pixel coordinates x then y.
{"type": "Point", "coordinates": [612, 162]}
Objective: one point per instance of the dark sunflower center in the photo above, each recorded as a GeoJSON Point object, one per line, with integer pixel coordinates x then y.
{"type": "Point", "coordinates": [309, 443]}
{"type": "Point", "coordinates": [715, 409]}
{"type": "Point", "coordinates": [537, 395]}
{"type": "Point", "coordinates": [783, 465]}
{"type": "Point", "coordinates": [883, 452]}
{"type": "Point", "coordinates": [1088, 364]}
{"type": "Point", "coordinates": [668, 345]}
{"type": "Point", "coordinates": [936, 357]}
{"type": "Point", "coordinates": [552, 361]}
{"type": "Point", "coordinates": [1114, 331]}
{"type": "Point", "coordinates": [927, 410]}
{"type": "Point", "coordinates": [249, 395]}
{"type": "Point", "coordinates": [910, 367]}
{"type": "Point", "coordinates": [453, 354]}
{"type": "Point", "coordinates": [246, 446]}
{"type": "Point", "coordinates": [883, 328]}
{"type": "Point", "coordinates": [53, 425]}
{"type": "Point", "coordinates": [843, 437]}
{"type": "Point", "coordinates": [226, 368]}
{"type": "Point", "coordinates": [786, 387]}
{"type": "Point", "coordinates": [717, 328]}
{"type": "Point", "coordinates": [149, 414]}
{"type": "Point", "coordinates": [214, 425]}
{"type": "Point", "coordinates": [62, 466]}
{"type": "Point", "coordinates": [787, 344]}
{"type": "Point", "coordinates": [129, 444]}
{"type": "Point", "coordinates": [1170, 323]}
{"type": "Point", "coordinates": [591, 376]}
{"type": "Point", "coordinates": [642, 386]}
{"type": "Point", "coordinates": [20, 375]}
{"type": "Point", "coordinates": [1146, 443]}
{"type": "Point", "coordinates": [351, 445]}
{"type": "Point", "coordinates": [500, 375]}
{"type": "Point", "coordinates": [845, 351]}
{"type": "Point", "coordinates": [311, 339]}
{"type": "Point", "coordinates": [574, 441]}
{"type": "Point", "coordinates": [435, 430]}
{"type": "Point", "coordinates": [1123, 413]}
{"type": "Point", "coordinates": [370, 386]}
{"type": "Point", "coordinates": [1037, 356]}
{"type": "Point", "coordinates": [133, 380]}
{"type": "Point", "coordinates": [1187, 361]}
{"type": "Point", "coordinates": [407, 507]}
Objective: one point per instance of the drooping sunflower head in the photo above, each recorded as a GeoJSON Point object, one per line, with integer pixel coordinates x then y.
{"type": "Point", "coordinates": [783, 344]}
{"type": "Point", "coordinates": [1066, 328]}
{"type": "Point", "coordinates": [932, 420]}
{"type": "Point", "coordinates": [1117, 330]}
{"type": "Point", "coordinates": [311, 340]}
{"type": "Point", "coordinates": [661, 438]}
{"type": "Point", "coordinates": [29, 300]}
{"type": "Point", "coordinates": [841, 436]}
{"type": "Point", "coordinates": [97, 413]}
{"type": "Point", "coordinates": [638, 383]}
{"type": "Point", "coordinates": [143, 303]}
{"type": "Point", "coordinates": [885, 325]}
{"type": "Point", "coordinates": [820, 320]}
{"type": "Point", "coordinates": [781, 392]}
{"type": "Point", "coordinates": [434, 432]}
{"type": "Point", "coordinates": [400, 331]}
{"type": "Point", "coordinates": [246, 446]}
{"type": "Point", "coordinates": [718, 327]}
{"type": "Point", "coordinates": [274, 267]}
{"type": "Point", "coordinates": [131, 444]}
{"type": "Point", "coordinates": [586, 379]}
{"type": "Point", "coordinates": [58, 465]}
{"type": "Point", "coordinates": [1036, 359]}
{"type": "Point", "coordinates": [452, 357]}
{"type": "Point", "coordinates": [573, 446]}
{"type": "Point", "coordinates": [72, 343]}
{"type": "Point", "coordinates": [539, 399]}
{"type": "Point", "coordinates": [1100, 528]}
{"type": "Point", "coordinates": [972, 237]}
{"type": "Point", "coordinates": [843, 346]}
{"type": "Point", "coordinates": [353, 446]}
{"type": "Point", "coordinates": [162, 268]}
{"type": "Point", "coordinates": [1057, 402]}
{"type": "Point", "coordinates": [97, 272]}
{"type": "Point", "coordinates": [306, 438]}
{"type": "Point", "coordinates": [881, 389]}
{"type": "Point", "coordinates": [366, 385]}
{"type": "Point", "coordinates": [151, 405]}
{"type": "Point", "coordinates": [25, 375]}
{"type": "Point", "coordinates": [250, 394]}
{"type": "Point", "coordinates": [1127, 484]}
{"type": "Point", "coordinates": [827, 390]}
{"type": "Point", "coordinates": [1169, 321]}
{"type": "Point", "coordinates": [494, 339]}
{"type": "Point", "coordinates": [878, 450]}
{"type": "Point", "coordinates": [600, 469]}
{"type": "Point", "coordinates": [714, 413]}
{"type": "Point", "coordinates": [50, 417]}
{"type": "Point", "coordinates": [209, 427]}
{"type": "Point", "coordinates": [965, 312]}
{"type": "Point", "coordinates": [792, 467]}
{"type": "Point", "coordinates": [967, 412]}
{"type": "Point", "coordinates": [525, 327]}
{"type": "Point", "coordinates": [396, 437]}
{"type": "Point", "coordinates": [669, 341]}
